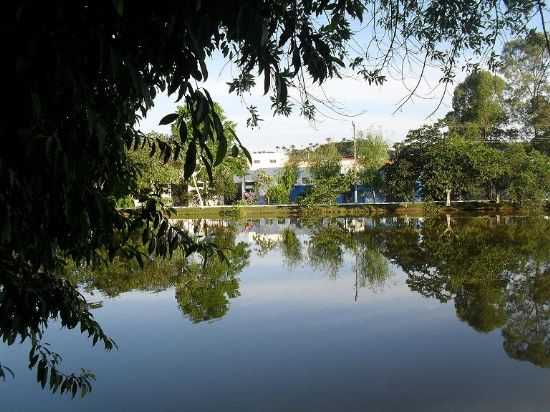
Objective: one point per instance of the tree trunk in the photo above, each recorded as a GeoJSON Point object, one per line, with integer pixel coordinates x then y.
{"type": "Point", "coordinates": [373, 196]}
{"type": "Point", "coordinates": [198, 191]}
{"type": "Point", "coordinates": [498, 197]}
{"type": "Point", "coordinates": [448, 197]}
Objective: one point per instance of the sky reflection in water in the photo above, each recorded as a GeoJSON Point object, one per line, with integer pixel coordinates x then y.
{"type": "Point", "coordinates": [339, 315]}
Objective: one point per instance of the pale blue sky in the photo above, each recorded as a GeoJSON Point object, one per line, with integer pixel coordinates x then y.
{"type": "Point", "coordinates": [376, 103]}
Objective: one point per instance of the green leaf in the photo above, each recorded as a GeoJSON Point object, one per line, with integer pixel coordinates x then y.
{"type": "Point", "coordinates": [190, 161]}
{"type": "Point", "coordinates": [267, 79]}
{"type": "Point", "coordinates": [169, 118]}
{"type": "Point", "coordinates": [246, 153]}
{"type": "Point", "coordinates": [202, 108]}
{"type": "Point", "coordinates": [42, 373]}
{"type": "Point", "coordinates": [244, 149]}
{"type": "Point", "coordinates": [222, 150]}
{"type": "Point", "coordinates": [53, 379]}
{"type": "Point", "coordinates": [203, 69]}
{"type": "Point", "coordinates": [173, 85]}
{"type": "Point", "coordinates": [208, 168]}
{"type": "Point", "coordinates": [207, 152]}
{"type": "Point", "coordinates": [183, 131]}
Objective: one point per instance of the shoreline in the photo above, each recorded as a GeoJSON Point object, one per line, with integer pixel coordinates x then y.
{"type": "Point", "coordinates": [411, 209]}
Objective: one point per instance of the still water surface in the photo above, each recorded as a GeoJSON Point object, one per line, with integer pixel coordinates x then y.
{"type": "Point", "coordinates": [334, 315]}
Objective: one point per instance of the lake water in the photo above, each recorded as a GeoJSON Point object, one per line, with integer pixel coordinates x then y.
{"type": "Point", "coordinates": [305, 315]}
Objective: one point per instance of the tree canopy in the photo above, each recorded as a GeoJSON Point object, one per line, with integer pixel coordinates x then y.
{"type": "Point", "coordinates": [153, 174]}
{"type": "Point", "coordinates": [372, 154]}
{"type": "Point", "coordinates": [525, 64]}
{"type": "Point", "coordinates": [494, 140]}
{"type": "Point", "coordinates": [478, 106]}
{"type": "Point", "coordinates": [88, 72]}
{"type": "Point", "coordinates": [216, 180]}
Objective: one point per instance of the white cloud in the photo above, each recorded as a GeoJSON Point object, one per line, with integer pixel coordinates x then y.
{"type": "Point", "coordinates": [376, 103]}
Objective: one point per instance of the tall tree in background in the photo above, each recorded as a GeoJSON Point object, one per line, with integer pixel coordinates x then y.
{"type": "Point", "coordinates": [324, 162]}
{"type": "Point", "coordinates": [326, 172]}
{"type": "Point", "coordinates": [279, 191]}
{"type": "Point", "coordinates": [525, 64]}
{"type": "Point", "coordinates": [403, 173]}
{"type": "Point", "coordinates": [478, 106]}
{"type": "Point", "coordinates": [490, 168]}
{"type": "Point", "coordinates": [447, 169]}
{"type": "Point", "coordinates": [263, 182]}
{"type": "Point", "coordinates": [372, 154]}
{"type": "Point", "coordinates": [540, 117]}
{"type": "Point", "coordinates": [530, 177]}
{"type": "Point", "coordinates": [155, 176]}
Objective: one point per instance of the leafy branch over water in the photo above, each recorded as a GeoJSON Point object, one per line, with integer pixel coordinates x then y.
{"type": "Point", "coordinates": [497, 275]}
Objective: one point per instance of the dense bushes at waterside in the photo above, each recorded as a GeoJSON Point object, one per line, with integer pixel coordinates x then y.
{"type": "Point", "coordinates": [437, 165]}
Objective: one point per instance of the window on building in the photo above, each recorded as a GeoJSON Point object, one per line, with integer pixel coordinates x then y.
{"type": "Point", "coordinates": [256, 161]}
{"type": "Point", "coordinates": [272, 161]}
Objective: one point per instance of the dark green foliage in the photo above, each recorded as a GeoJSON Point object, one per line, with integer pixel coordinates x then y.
{"type": "Point", "coordinates": [217, 177]}
{"type": "Point", "coordinates": [47, 374]}
{"type": "Point", "coordinates": [400, 177]}
{"type": "Point", "coordinates": [525, 64]}
{"type": "Point", "coordinates": [291, 248]}
{"type": "Point", "coordinates": [278, 192]}
{"type": "Point", "coordinates": [496, 275]}
{"type": "Point", "coordinates": [87, 72]}
{"type": "Point", "coordinates": [324, 162]}
{"type": "Point", "coordinates": [442, 163]}
{"type": "Point", "coordinates": [478, 106]}
{"type": "Point", "coordinates": [326, 191]}
{"type": "Point", "coordinates": [204, 292]}
{"type": "Point", "coordinates": [203, 288]}
{"type": "Point", "coordinates": [328, 182]}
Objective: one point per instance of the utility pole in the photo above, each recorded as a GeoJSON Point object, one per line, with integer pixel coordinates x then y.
{"type": "Point", "coordinates": [354, 163]}
{"type": "Point", "coordinates": [354, 143]}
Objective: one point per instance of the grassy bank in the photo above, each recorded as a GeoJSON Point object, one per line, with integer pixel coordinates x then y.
{"type": "Point", "coordinates": [388, 209]}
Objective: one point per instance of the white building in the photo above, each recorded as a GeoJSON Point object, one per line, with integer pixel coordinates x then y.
{"type": "Point", "coordinates": [271, 163]}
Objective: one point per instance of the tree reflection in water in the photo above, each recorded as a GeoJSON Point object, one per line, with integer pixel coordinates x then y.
{"type": "Point", "coordinates": [497, 274]}
{"type": "Point", "coordinates": [202, 288]}
{"type": "Point", "coordinates": [204, 292]}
